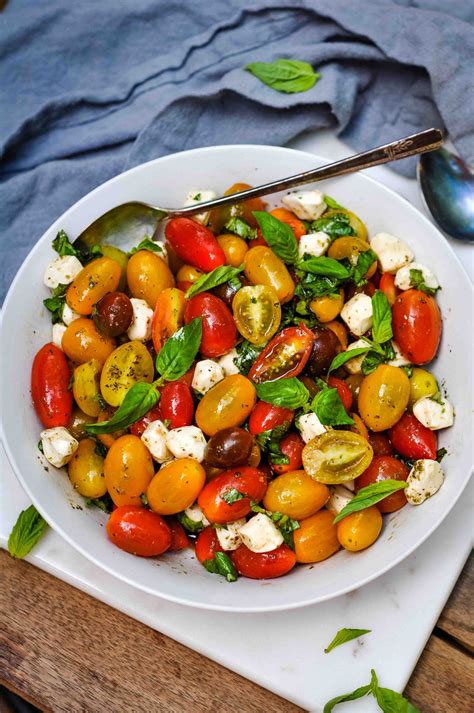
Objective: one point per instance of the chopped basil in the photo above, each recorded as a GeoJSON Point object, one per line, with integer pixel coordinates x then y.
{"type": "Point", "coordinates": [292, 314]}
{"type": "Point", "coordinates": [221, 274]}
{"type": "Point", "coordinates": [345, 635]}
{"type": "Point", "coordinates": [63, 246]}
{"type": "Point", "coordinates": [378, 354]}
{"type": "Point", "coordinates": [289, 76]}
{"type": "Point", "coordinates": [364, 261]}
{"type": "Point", "coordinates": [440, 453]}
{"type": "Point", "coordinates": [147, 244]}
{"type": "Point", "coordinates": [279, 236]}
{"type": "Point", "coordinates": [104, 503]}
{"type": "Point", "coordinates": [288, 393]}
{"type": "Point", "coordinates": [286, 524]}
{"type": "Point", "coordinates": [241, 228]}
{"type": "Point", "coordinates": [418, 282]}
{"type": "Point", "coordinates": [408, 369]}
{"type": "Point", "coordinates": [221, 564]}
{"type": "Point", "coordinates": [197, 197]}
{"type": "Point", "coordinates": [335, 226]}
{"type": "Point", "coordinates": [144, 500]}
{"type": "Point", "coordinates": [179, 351]}
{"type": "Point", "coordinates": [269, 442]}
{"type": "Point", "coordinates": [26, 532]}
{"type": "Point", "coordinates": [232, 495]}
{"type": "Point", "coordinates": [192, 526]}
{"type": "Point", "coordinates": [100, 449]}
{"type": "Point", "coordinates": [370, 495]}
{"type": "Point", "coordinates": [310, 285]}
{"type": "Point", "coordinates": [55, 303]}
{"type": "Point", "coordinates": [40, 446]}
{"type": "Point", "coordinates": [247, 353]}
{"type": "Point", "coordinates": [382, 318]}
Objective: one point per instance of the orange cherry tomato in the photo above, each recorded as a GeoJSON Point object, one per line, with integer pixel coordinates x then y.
{"type": "Point", "coordinates": [263, 267]}
{"type": "Point", "coordinates": [316, 538]}
{"type": "Point", "coordinates": [168, 316]}
{"type": "Point", "coordinates": [383, 397]}
{"type": "Point", "coordinates": [50, 391]}
{"type": "Point", "coordinates": [360, 529]}
{"type": "Point", "coordinates": [385, 468]}
{"type": "Point", "coordinates": [176, 486]}
{"type": "Point", "coordinates": [228, 403]}
{"type": "Point", "coordinates": [138, 531]}
{"type": "Point", "coordinates": [93, 282]}
{"type": "Point", "coordinates": [147, 276]}
{"type": "Point", "coordinates": [286, 216]}
{"type": "Point", "coordinates": [387, 286]}
{"type": "Point", "coordinates": [327, 307]}
{"type": "Point", "coordinates": [286, 355]}
{"type": "Point", "coordinates": [295, 494]}
{"type": "Point", "coordinates": [263, 565]}
{"type": "Point", "coordinates": [234, 248]}
{"type": "Point", "coordinates": [340, 331]}
{"type": "Point", "coordinates": [417, 326]}
{"type": "Point", "coordinates": [249, 482]}
{"type": "Point", "coordinates": [244, 210]}
{"type": "Point", "coordinates": [128, 469]}
{"type": "Point", "coordinates": [188, 274]}
{"type": "Point", "coordinates": [82, 342]}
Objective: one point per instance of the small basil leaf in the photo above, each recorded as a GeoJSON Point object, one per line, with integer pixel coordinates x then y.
{"type": "Point", "coordinates": [269, 442]}
{"type": "Point", "coordinates": [336, 225]}
{"type": "Point", "coordinates": [247, 353]}
{"type": "Point", "coordinates": [218, 276]}
{"type": "Point", "coordinates": [418, 282]}
{"type": "Point", "coordinates": [364, 261]}
{"type": "Point", "coordinates": [288, 393]}
{"type": "Point", "coordinates": [63, 246]}
{"type": "Point", "coordinates": [378, 354]}
{"type": "Point", "coordinates": [390, 701]}
{"type": "Point", "coordinates": [440, 453]}
{"type": "Point", "coordinates": [55, 303]}
{"type": "Point", "coordinates": [278, 235]}
{"type": "Point", "coordinates": [370, 495]}
{"type": "Point", "coordinates": [343, 357]}
{"type": "Point", "coordinates": [139, 399]}
{"type": "Point", "coordinates": [192, 526]}
{"type": "Point", "coordinates": [328, 407]}
{"type": "Point", "coordinates": [104, 503]}
{"type": "Point", "coordinates": [289, 76]}
{"type": "Point", "coordinates": [382, 318]}
{"type": "Point", "coordinates": [26, 532]}
{"type": "Point", "coordinates": [310, 286]}
{"type": "Point", "coordinates": [241, 228]}
{"type": "Point", "coordinates": [345, 635]}
{"type": "Point", "coordinates": [294, 314]}
{"type": "Point", "coordinates": [331, 203]}
{"type": "Point", "coordinates": [326, 266]}
{"type": "Point", "coordinates": [221, 564]}
{"type": "Point", "coordinates": [179, 351]}
{"type": "Point", "coordinates": [232, 495]}
{"type": "Point", "coordinates": [148, 244]}
{"type": "Point", "coordinates": [353, 696]}
{"type": "Point", "coordinates": [287, 526]}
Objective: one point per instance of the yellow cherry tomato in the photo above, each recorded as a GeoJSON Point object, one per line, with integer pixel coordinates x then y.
{"type": "Point", "coordinates": [257, 313]}
{"type": "Point", "coordinates": [327, 307]}
{"type": "Point", "coordinates": [234, 248]}
{"type": "Point", "coordinates": [128, 470]}
{"type": "Point", "coordinates": [92, 283]}
{"type": "Point", "coordinates": [77, 421]}
{"type": "Point", "coordinates": [383, 397]}
{"type": "Point", "coordinates": [263, 267]}
{"type": "Point", "coordinates": [126, 366]}
{"type": "Point", "coordinates": [82, 342]}
{"type": "Point", "coordinates": [176, 486]}
{"type": "Point", "coordinates": [355, 222]}
{"type": "Point", "coordinates": [359, 426]}
{"type": "Point", "coordinates": [295, 494]}
{"type": "Point", "coordinates": [337, 456]}
{"type": "Point", "coordinates": [121, 258]}
{"type": "Point", "coordinates": [360, 529]}
{"type": "Point", "coordinates": [85, 386]}
{"type": "Point", "coordinates": [340, 331]}
{"type": "Point", "coordinates": [86, 470]}
{"type": "Point", "coordinates": [316, 538]}
{"type": "Point", "coordinates": [227, 404]}
{"type": "Point", "coordinates": [168, 316]}
{"type": "Point", "coordinates": [147, 276]}
{"type": "Point", "coordinates": [351, 246]}
{"type": "Point", "coordinates": [188, 273]}
{"type": "Point", "coordinates": [422, 384]}
{"type": "Point", "coordinates": [218, 217]}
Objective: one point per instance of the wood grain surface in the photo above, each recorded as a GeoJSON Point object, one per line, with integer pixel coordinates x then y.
{"type": "Point", "coordinates": [64, 651]}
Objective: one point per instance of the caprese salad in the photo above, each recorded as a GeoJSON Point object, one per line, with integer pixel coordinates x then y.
{"type": "Point", "coordinates": [254, 386]}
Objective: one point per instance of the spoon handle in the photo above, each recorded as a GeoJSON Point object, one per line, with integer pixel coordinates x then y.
{"type": "Point", "coordinates": [420, 142]}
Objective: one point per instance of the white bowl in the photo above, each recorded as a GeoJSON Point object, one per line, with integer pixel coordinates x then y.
{"type": "Point", "coordinates": [178, 577]}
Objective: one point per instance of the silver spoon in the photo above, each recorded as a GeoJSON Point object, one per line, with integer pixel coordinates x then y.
{"type": "Point", "coordinates": [128, 223]}
{"type": "Point", "coordinates": [447, 187]}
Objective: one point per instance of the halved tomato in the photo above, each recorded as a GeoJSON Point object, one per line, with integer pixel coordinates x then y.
{"type": "Point", "coordinates": [285, 356]}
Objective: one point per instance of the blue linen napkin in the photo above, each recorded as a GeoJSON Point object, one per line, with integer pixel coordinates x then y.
{"type": "Point", "coordinates": [90, 89]}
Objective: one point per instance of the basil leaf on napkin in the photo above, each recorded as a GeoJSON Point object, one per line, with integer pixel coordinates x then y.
{"type": "Point", "coordinates": [278, 235]}
{"type": "Point", "coordinates": [179, 351]}
{"type": "Point", "coordinates": [345, 635]}
{"type": "Point", "coordinates": [290, 76]}
{"type": "Point", "coordinates": [326, 266]}
{"type": "Point", "coordinates": [26, 532]}
{"type": "Point", "coordinates": [370, 495]}
{"type": "Point", "coordinates": [382, 318]}
{"type": "Point", "coordinates": [139, 399]}
{"type": "Point", "coordinates": [288, 393]}
{"type": "Point", "coordinates": [218, 276]}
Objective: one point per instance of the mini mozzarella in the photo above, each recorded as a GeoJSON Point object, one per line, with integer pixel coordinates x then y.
{"type": "Point", "coordinates": [61, 271]}
{"type": "Point", "coordinates": [310, 426]}
{"type": "Point", "coordinates": [357, 314]}
{"type": "Point", "coordinates": [69, 315]}
{"type": "Point", "coordinates": [399, 359]}
{"type": "Point", "coordinates": [403, 277]}
{"type": "Point", "coordinates": [162, 251]}
{"type": "Point", "coordinates": [307, 205]}
{"type": "Point", "coordinates": [424, 480]}
{"type": "Point", "coordinates": [340, 496]}
{"type": "Point", "coordinates": [354, 365]}
{"type": "Point", "coordinates": [392, 252]}
{"type": "Point", "coordinates": [229, 536]}
{"type": "Point", "coordinates": [58, 331]}
{"type": "Point", "coordinates": [154, 437]}
{"type": "Point", "coordinates": [206, 375]}
{"type": "Point", "coordinates": [432, 414]}
{"type": "Point", "coordinates": [140, 326]}
{"type": "Point", "coordinates": [227, 362]}
{"type": "Point", "coordinates": [204, 196]}
{"type": "Point", "coordinates": [314, 244]}
{"type": "Point", "coordinates": [260, 534]}
{"type": "Point", "coordinates": [187, 442]}
{"type": "Point", "coordinates": [195, 514]}
{"type": "Point", "coordinates": [58, 446]}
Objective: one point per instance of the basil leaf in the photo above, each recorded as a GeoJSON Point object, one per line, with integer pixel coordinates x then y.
{"type": "Point", "coordinates": [294, 314]}
{"type": "Point", "coordinates": [331, 203]}
{"type": "Point", "coordinates": [353, 696]}
{"type": "Point", "coordinates": [139, 399]}
{"type": "Point", "coordinates": [335, 225]}
{"type": "Point", "coordinates": [325, 266]}
{"type": "Point", "coordinates": [328, 407]}
{"type": "Point", "coordinates": [63, 246]}
{"type": "Point", "coordinates": [370, 495]}
{"type": "Point", "coordinates": [241, 228]}
{"type": "Point", "coordinates": [382, 318]}
{"type": "Point", "coordinates": [418, 282]}
{"type": "Point", "coordinates": [440, 453]}
{"type": "Point", "coordinates": [278, 235]}
{"type": "Point", "coordinates": [343, 357]}
{"type": "Point", "coordinates": [390, 701]}
{"type": "Point", "coordinates": [345, 635]}
{"type": "Point", "coordinates": [232, 495]}
{"type": "Point", "coordinates": [364, 261]}
{"type": "Point", "coordinates": [247, 353]}
{"type": "Point", "coordinates": [148, 244]}
{"type": "Point", "coordinates": [104, 503]}
{"type": "Point", "coordinates": [269, 442]}
{"type": "Point", "coordinates": [100, 449]}
{"type": "Point", "coordinates": [192, 526]}
{"type": "Point", "coordinates": [218, 276]}
{"type": "Point", "coordinates": [289, 393]}
{"type": "Point", "coordinates": [179, 351]}
{"type": "Point", "coordinates": [56, 303]}
{"type": "Point", "coordinates": [378, 354]}
{"type": "Point", "coordinates": [221, 564]}
{"type": "Point", "coordinates": [289, 76]}
{"type": "Point", "coordinates": [26, 532]}
{"type": "Point", "coordinates": [310, 286]}
{"type": "Point", "coordinates": [287, 526]}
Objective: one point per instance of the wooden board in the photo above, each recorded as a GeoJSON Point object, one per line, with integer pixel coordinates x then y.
{"type": "Point", "coordinates": [65, 651]}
